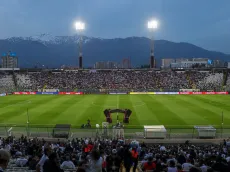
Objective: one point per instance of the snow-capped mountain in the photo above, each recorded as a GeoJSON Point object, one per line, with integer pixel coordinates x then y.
{"type": "Point", "coordinates": [54, 51]}
{"type": "Point", "coordinates": [48, 39]}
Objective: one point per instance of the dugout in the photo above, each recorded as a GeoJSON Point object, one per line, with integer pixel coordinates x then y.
{"type": "Point", "coordinates": [61, 130]}
{"type": "Point", "coordinates": [205, 131]}
{"type": "Point", "coordinates": [155, 132]}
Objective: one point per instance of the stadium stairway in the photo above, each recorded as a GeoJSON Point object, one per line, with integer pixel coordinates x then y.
{"type": "Point", "coordinates": [190, 82]}
{"type": "Point", "coordinates": [15, 80]}
{"type": "Point", "coordinates": [44, 87]}
{"type": "Point", "coordinates": [225, 77]}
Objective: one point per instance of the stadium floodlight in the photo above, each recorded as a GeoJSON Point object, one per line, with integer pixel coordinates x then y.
{"type": "Point", "coordinates": [80, 26]}
{"type": "Point", "coordinates": [153, 24]}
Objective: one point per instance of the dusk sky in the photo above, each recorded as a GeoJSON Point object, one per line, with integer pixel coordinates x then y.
{"type": "Point", "coordinates": [203, 22]}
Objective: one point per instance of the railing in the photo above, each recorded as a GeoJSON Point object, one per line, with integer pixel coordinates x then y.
{"type": "Point", "coordinates": [129, 133]}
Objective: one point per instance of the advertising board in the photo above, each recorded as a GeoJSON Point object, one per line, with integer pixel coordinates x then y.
{"type": "Point", "coordinates": [118, 93]}
{"type": "Point", "coordinates": [171, 93]}
{"type": "Point", "coordinates": [80, 93]}
{"type": "Point", "coordinates": [154, 93]}
{"type": "Point", "coordinates": [203, 93]}
{"type": "Point", "coordinates": [3, 94]}
{"type": "Point", "coordinates": [221, 92]}
{"type": "Point", "coordinates": [70, 93]}
{"type": "Point", "coordinates": [150, 92]}
{"type": "Point", "coordinates": [24, 93]}
{"type": "Point", "coordinates": [189, 90]}
{"type": "Point", "coordinates": [47, 93]}
{"type": "Point", "coordinates": [138, 93]}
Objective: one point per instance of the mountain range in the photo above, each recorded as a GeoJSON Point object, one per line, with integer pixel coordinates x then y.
{"type": "Point", "coordinates": [54, 51]}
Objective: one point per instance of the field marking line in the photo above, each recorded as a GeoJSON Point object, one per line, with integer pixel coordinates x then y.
{"type": "Point", "coordinates": [93, 103]}
{"type": "Point", "coordinates": [80, 102]}
{"type": "Point", "coordinates": [142, 104]}
{"type": "Point", "coordinates": [23, 102]}
{"type": "Point", "coordinates": [24, 125]}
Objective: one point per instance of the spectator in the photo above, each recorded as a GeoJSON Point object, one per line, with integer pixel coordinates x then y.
{"type": "Point", "coordinates": [179, 168]}
{"type": "Point", "coordinates": [113, 162]}
{"type": "Point", "coordinates": [135, 158]}
{"type": "Point", "coordinates": [194, 169]}
{"type": "Point", "coordinates": [187, 165]}
{"type": "Point", "coordinates": [21, 161]}
{"type": "Point", "coordinates": [52, 164]}
{"type": "Point", "coordinates": [172, 167]}
{"type": "Point", "coordinates": [162, 148]}
{"type": "Point", "coordinates": [67, 164]}
{"type": "Point", "coordinates": [181, 159]}
{"type": "Point", "coordinates": [81, 167]}
{"type": "Point", "coordinates": [203, 167]}
{"type": "Point", "coordinates": [4, 159]}
{"type": "Point", "coordinates": [149, 165]}
{"type": "Point", "coordinates": [32, 162]}
{"type": "Point", "coordinates": [127, 159]}
{"type": "Point", "coordinates": [220, 165]}
{"type": "Point", "coordinates": [96, 161]}
{"type": "Point", "coordinates": [47, 152]}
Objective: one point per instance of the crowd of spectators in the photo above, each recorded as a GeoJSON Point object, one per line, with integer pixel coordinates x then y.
{"type": "Point", "coordinates": [112, 156]}
{"type": "Point", "coordinates": [111, 79]}
{"type": "Point", "coordinates": [6, 82]}
{"type": "Point", "coordinates": [125, 79]}
{"type": "Point", "coordinates": [228, 82]}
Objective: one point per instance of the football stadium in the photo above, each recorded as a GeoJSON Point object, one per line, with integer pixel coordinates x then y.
{"type": "Point", "coordinates": [178, 101]}
{"type": "Point", "coordinates": [122, 103]}
{"type": "Point", "coordinates": [157, 119]}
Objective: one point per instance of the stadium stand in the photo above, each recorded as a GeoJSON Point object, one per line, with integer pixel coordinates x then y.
{"type": "Point", "coordinates": [228, 81]}
{"type": "Point", "coordinates": [6, 82]}
{"type": "Point", "coordinates": [212, 80]}
{"type": "Point", "coordinates": [122, 79]}
{"type": "Point", "coordinates": [23, 80]}
{"type": "Point", "coordinates": [112, 155]}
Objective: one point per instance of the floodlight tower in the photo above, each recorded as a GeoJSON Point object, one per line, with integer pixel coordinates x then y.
{"type": "Point", "coordinates": [152, 26]}
{"type": "Point", "coordinates": [80, 27]}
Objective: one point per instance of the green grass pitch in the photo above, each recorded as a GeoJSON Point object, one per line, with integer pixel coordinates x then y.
{"type": "Point", "coordinates": [175, 111]}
